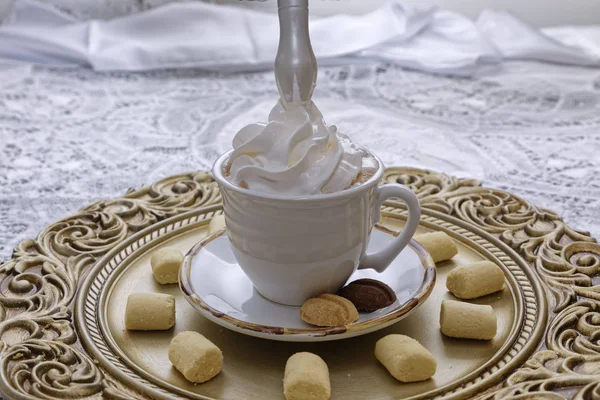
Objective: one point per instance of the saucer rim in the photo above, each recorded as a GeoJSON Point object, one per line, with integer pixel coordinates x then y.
{"type": "Point", "coordinates": [306, 334]}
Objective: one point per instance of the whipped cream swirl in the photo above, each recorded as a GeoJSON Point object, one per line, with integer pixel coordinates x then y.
{"type": "Point", "coordinates": [294, 153]}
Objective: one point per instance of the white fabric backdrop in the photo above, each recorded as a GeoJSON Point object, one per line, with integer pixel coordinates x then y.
{"type": "Point", "coordinates": [219, 38]}
{"type": "Point", "coordinates": [538, 13]}
{"type": "Point", "coordinates": [69, 137]}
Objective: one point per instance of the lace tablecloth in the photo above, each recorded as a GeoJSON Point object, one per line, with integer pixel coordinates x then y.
{"type": "Point", "coordinates": [69, 137]}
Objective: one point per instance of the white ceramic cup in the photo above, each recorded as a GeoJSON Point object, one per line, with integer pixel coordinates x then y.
{"type": "Point", "coordinates": [296, 247]}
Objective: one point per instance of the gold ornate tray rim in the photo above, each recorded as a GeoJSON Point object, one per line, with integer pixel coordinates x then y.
{"type": "Point", "coordinates": [109, 268]}
{"type": "Point", "coordinates": [159, 232]}
{"type": "Point", "coordinates": [38, 285]}
{"type": "Point", "coordinates": [497, 365]}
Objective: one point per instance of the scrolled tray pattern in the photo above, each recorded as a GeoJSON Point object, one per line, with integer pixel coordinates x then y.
{"type": "Point", "coordinates": [41, 356]}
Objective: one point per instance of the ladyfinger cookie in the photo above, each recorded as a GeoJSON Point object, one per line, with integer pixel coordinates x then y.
{"type": "Point", "coordinates": [216, 223]}
{"type": "Point", "coordinates": [165, 265]}
{"type": "Point", "coordinates": [150, 311]}
{"type": "Point", "coordinates": [196, 357]}
{"type": "Point", "coordinates": [475, 280]}
{"type": "Point", "coordinates": [438, 244]}
{"type": "Point", "coordinates": [405, 358]}
{"type": "Point", "coordinates": [467, 321]}
{"type": "Point", "coordinates": [306, 377]}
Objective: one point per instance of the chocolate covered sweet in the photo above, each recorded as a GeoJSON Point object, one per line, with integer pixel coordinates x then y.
{"type": "Point", "coordinates": [368, 294]}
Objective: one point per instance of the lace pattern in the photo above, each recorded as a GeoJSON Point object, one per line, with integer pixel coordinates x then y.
{"type": "Point", "coordinates": [72, 136]}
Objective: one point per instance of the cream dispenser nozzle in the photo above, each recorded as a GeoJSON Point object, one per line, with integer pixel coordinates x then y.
{"type": "Point", "coordinates": [295, 63]}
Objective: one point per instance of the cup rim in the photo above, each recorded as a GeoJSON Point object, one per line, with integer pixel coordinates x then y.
{"type": "Point", "coordinates": [217, 172]}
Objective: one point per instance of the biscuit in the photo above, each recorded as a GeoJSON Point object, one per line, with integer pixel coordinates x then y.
{"type": "Point", "coordinates": [150, 312]}
{"type": "Point", "coordinates": [216, 224]}
{"type": "Point", "coordinates": [196, 357]}
{"type": "Point", "coordinates": [165, 265]}
{"type": "Point", "coordinates": [405, 358]}
{"type": "Point", "coordinates": [306, 377]}
{"type": "Point", "coordinates": [438, 244]}
{"type": "Point", "coordinates": [467, 321]}
{"type": "Point", "coordinates": [368, 294]}
{"type": "Point", "coordinates": [475, 280]}
{"type": "Point", "coordinates": [328, 310]}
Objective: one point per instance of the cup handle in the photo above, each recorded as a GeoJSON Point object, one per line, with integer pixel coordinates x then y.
{"type": "Point", "coordinates": [382, 259]}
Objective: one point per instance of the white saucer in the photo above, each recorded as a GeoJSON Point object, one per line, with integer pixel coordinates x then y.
{"type": "Point", "coordinates": [215, 285]}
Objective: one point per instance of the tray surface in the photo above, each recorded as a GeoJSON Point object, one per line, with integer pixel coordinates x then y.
{"type": "Point", "coordinates": [94, 259]}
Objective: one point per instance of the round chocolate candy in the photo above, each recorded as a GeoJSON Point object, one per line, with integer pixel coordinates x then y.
{"type": "Point", "coordinates": [368, 294]}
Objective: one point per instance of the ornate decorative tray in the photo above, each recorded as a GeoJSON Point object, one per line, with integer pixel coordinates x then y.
{"type": "Point", "coordinates": [62, 300]}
